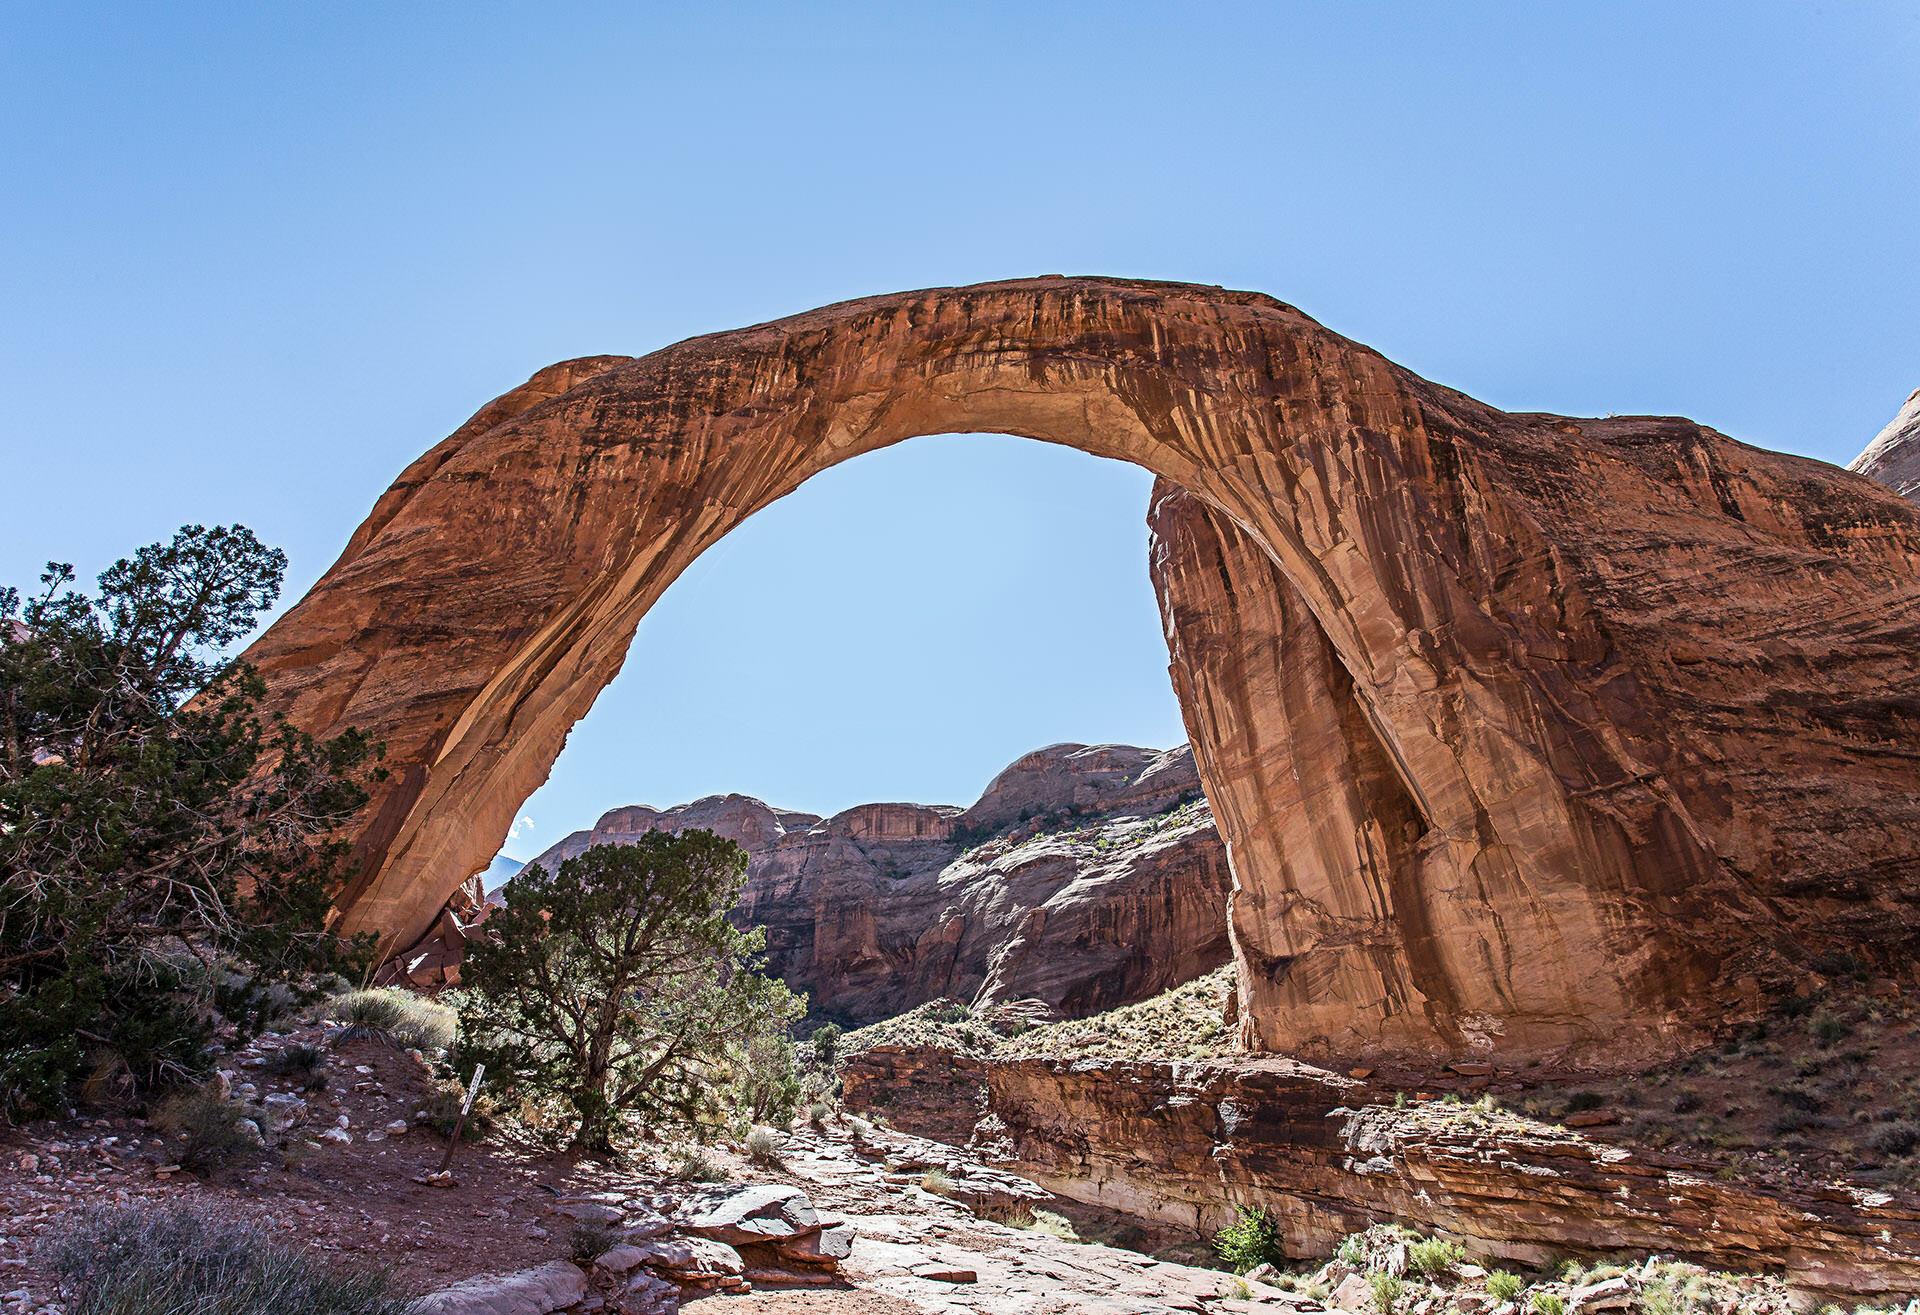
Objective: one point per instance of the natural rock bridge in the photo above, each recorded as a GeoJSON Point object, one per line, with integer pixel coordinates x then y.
{"type": "Point", "coordinates": [1522, 731]}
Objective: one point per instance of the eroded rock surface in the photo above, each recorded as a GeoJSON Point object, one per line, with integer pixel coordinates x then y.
{"type": "Point", "coordinates": [1613, 687]}
{"type": "Point", "coordinates": [1085, 877]}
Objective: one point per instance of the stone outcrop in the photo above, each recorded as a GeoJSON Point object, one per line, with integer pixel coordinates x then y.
{"type": "Point", "coordinates": [1085, 877]}
{"type": "Point", "coordinates": [434, 959]}
{"type": "Point", "coordinates": [1182, 1144]}
{"type": "Point", "coordinates": [1893, 458]}
{"type": "Point", "coordinates": [1629, 706]}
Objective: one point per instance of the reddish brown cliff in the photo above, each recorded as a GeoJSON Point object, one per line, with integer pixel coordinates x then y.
{"type": "Point", "coordinates": [1629, 708]}
{"type": "Point", "coordinates": [1085, 877]}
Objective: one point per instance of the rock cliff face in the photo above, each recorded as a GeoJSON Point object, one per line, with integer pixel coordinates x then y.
{"type": "Point", "coordinates": [1183, 1143]}
{"type": "Point", "coordinates": [1893, 458]}
{"type": "Point", "coordinates": [1085, 877]}
{"type": "Point", "coordinates": [1621, 712]}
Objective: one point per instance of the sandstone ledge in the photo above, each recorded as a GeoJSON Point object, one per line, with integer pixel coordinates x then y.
{"type": "Point", "coordinates": [1182, 1143]}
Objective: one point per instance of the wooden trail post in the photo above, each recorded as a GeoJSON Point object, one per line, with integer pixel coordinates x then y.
{"type": "Point", "coordinates": [460, 1124]}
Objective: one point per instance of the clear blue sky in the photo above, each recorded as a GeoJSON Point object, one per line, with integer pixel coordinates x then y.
{"type": "Point", "coordinates": [255, 258]}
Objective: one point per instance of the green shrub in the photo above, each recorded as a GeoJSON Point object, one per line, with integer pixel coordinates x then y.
{"type": "Point", "coordinates": [1433, 1256]}
{"type": "Point", "coordinates": [205, 1132]}
{"type": "Point", "coordinates": [1584, 1100]}
{"type": "Point", "coordinates": [1386, 1291]}
{"type": "Point", "coordinates": [589, 1239]}
{"type": "Point", "coordinates": [143, 1260]}
{"type": "Point", "coordinates": [817, 1113]}
{"type": "Point", "coordinates": [1504, 1286]}
{"type": "Point", "coordinates": [306, 1064]}
{"type": "Point", "coordinates": [696, 1166]}
{"type": "Point", "coordinates": [1353, 1251]}
{"type": "Point", "coordinates": [826, 1045]}
{"type": "Point", "coordinates": [1236, 1289]}
{"type": "Point", "coordinates": [1828, 1027]}
{"type": "Point", "coordinates": [1549, 1303]}
{"type": "Point", "coordinates": [1253, 1238]}
{"type": "Point", "coordinates": [1897, 1139]}
{"type": "Point", "coordinates": [763, 1148]}
{"type": "Point", "coordinates": [396, 1016]}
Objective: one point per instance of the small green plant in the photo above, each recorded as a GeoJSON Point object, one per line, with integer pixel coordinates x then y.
{"type": "Point", "coordinates": [1584, 1100]}
{"type": "Point", "coordinates": [1827, 1027]}
{"type": "Point", "coordinates": [207, 1133]}
{"type": "Point", "coordinates": [1434, 1256]}
{"type": "Point", "coordinates": [697, 1167]}
{"type": "Point", "coordinates": [1253, 1238]}
{"type": "Point", "coordinates": [1687, 1101]}
{"type": "Point", "coordinates": [137, 1260]}
{"type": "Point", "coordinates": [950, 1011]}
{"type": "Point", "coordinates": [1386, 1291]}
{"type": "Point", "coordinates": [817, 1113]}
{"type": "Point", "coordinates": [1503, 1285]}
{"type": "Point", "coordinates": [589, 1239]}
{"type": "Point", "coordinates": [1053, 1225]}
{"type": "Point", "coordinates": [763, 1148]}
{"type": "Point", "coordinates": [1235, 1289]}
{"type": "Point", "coordinates": [1353, 1251]}
{"type": "Point", "coordinates": [1549, 1303]}
{"type": "Point", "coordinates": [826, 1045]}
{"type": "Point", "coordinates": [937, 1182]}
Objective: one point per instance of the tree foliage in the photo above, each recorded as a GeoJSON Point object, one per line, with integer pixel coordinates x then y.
{"type": "Point", "coordinates": [164, 850]}
{"type": "Point", "coordinates": [617, 982]}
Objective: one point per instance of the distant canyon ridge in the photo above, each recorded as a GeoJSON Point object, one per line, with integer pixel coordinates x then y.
{"type": "Point", "coordinates": [1525, 733]}
{"type": "Point", "coordinates": [1084, 877]}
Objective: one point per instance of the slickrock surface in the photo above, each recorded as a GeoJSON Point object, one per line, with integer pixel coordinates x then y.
{"type": "Point", "coordinates": [1182, 1143]}
{"type": "Point", "coordinates": [1629, 707]}
{"type": "Point", "coordinates": [1893, 458]}
{"type": "Point", "coordinates": [1085, 877]}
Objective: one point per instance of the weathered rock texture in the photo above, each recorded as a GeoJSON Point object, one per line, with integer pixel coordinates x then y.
{"type": "Point", "coordinates": [1893, 458]}
{"type": "Point", "coordinates": [1630, 707]}
{"type": "Point", "coordinates": [1085, 877]}
{"type": "Point", "coordinates": [1183, 1143]}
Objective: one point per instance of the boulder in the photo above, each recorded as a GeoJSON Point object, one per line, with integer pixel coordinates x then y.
{"type": "Point", "coordinates": [537, 1291]}
{"type": "Point", "coordinates": [827, 1247]}
{"type": "Point", "coordinates": [750, 1212]}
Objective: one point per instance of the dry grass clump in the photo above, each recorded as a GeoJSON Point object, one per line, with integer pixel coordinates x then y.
{"type": "Point", "coordinates": [207, 1132]}
{"type": "Point", "coordinates": [138, 1260]}
{"type": "Point", "coordinates": [396, 1016]}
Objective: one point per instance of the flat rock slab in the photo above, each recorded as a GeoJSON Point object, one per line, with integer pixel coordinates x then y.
{"type": "Point", "coordinates": [537, 1291]}
{"type": "Point", "coordinates": [753, 1212]}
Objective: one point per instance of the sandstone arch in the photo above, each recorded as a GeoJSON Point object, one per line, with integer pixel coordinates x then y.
{"type": "Point", "coordinates": [1522, 732]}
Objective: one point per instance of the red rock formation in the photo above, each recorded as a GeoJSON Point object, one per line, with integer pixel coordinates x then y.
{"type": "Point", "coordinates": [1073, 880]}
{"type": "Point", "coordinates": [1649, 694]}
{"type": "Point", "coordinates": [1182, 1144]}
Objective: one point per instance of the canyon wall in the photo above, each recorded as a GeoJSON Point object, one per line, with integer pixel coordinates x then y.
{"type": "Point", "coordinates": [1084, 877]}
{"type": "Point", "coordinates": [1629, 707]}
{"type": "Point", "coordinates": [1893, 458]}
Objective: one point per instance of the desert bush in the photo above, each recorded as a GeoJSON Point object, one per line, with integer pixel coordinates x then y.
{"type": "Point", "coordinates": [1236, 1289]}
{"type": "Point", "coordinates": [206, 1133]}
{"type": "Point", "coordinates": [306, 1064]}
{"type": "Point", "coordinates": [1584, 1100]}
{"type": "Point", "coordinates": [1253, 1238]}
{"type": "Point", "coordinates": [1503, 1285]}
{"type": "Point", "coordinates": [441, 1105]}
{"type": "Point", "coordinates": [1386, 1291]}
{"type": "Point", "coordinates": [1897, 1139]}
{"type": "Point", "coordinates": [1827, 1027]}
{"type": "Point", "coordinates": [937, 1182]}
{"type": "Point", "coordinates": [1353, 1251]}
{"type": "Point", "coordinates": [763, 1147]}
{"type": "Point", "coordinates": [696, 1166]}
{"type": "Point", "coordinates": [164, 860]}
{"type": "Point", "coordinates": [1053, 1225]}
{"type": "Point", "coordinates": [1549, 1303]}
{"type": "Point", "coordinates": [1433, 1256]}
{"type": "Point", "coordinates": [183, 1260]}
{"type": "Point", "coordinates": [817, 1113]}
{"type": "Point", "coordinates": [763, 1084]}
{"type": "Point", "coordinates": [589, 1239]}
{"type": "Point", "coordinates": [396, 1016]}
{"type": "Point", "coordinates": [1687, 1101]}
{"type": "Point", "coordinates": [639, 934]}
{"type": "Point", "coordinates": [826, 1045]}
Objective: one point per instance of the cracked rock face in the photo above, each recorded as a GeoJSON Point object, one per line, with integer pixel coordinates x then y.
{"type": "Point", "coordinates": [1617, 713]}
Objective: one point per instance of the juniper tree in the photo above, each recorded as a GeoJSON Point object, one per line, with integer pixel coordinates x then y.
{"type": "Point", "coordinates": [165, 849]}
{"type": "Point", "coordinates": [617, 983]}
